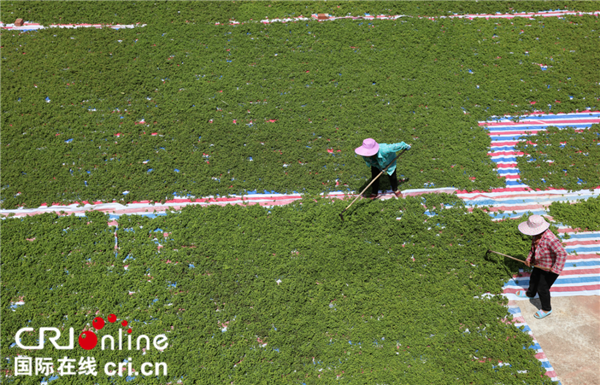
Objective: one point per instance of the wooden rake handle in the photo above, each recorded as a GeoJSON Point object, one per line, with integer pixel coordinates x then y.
{"type": "Point", "coordinates": [513, 258]}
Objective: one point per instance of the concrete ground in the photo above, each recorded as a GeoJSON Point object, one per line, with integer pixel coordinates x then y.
{"type": "Point", "coordinates": [570, 337]}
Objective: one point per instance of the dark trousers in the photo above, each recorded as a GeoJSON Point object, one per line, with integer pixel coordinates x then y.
{"type": "Point", "coordinates": [375, 186]}
{"type": "Point", "coordinates": [540, 283]}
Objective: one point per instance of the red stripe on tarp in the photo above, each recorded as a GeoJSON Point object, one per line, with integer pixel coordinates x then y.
{"type": "Point", "coordinates": [551, 373]}
{"type": "Point", "coordinates": [417, 193]}
{"type": "Point", "coordinates": [514, 208]}
{"type": "Point", "coordinates": [492, 198]}
{"type": "Point", "coordinates": [508, 189]}
{"type": "Point", "coordinates": [501, 144]}
{"type": "Point", "coordinates": [523, 132]}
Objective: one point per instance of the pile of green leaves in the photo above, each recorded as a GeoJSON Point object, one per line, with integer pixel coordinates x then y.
{"type": "Point", "coordinates": [328, 298]}
{"type": "Point", "coordinates": [312, 91]}
{"type": "Point", "coordinates": [561, 158]}
{"type": "Point", "coordinates": [127, 12]}
{"type": "Point", "coordinates": [583, 214]}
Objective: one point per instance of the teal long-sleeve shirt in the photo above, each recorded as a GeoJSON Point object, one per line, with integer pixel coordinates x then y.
{"type": "Point", "coordinates": [387, 152]}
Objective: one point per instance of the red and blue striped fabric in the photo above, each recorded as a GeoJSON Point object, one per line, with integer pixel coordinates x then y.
{"type": "Point", "coordinates": [29, 26]}
{"type": "Point", "coordinates": [506, 133]}
{"type": "Point", "coordinates": [519, 321]}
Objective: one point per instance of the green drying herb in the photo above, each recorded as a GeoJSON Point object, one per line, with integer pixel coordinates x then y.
{"type": "Point", "coordinates": [201, 109]}
{"type": "Point", "coordinates": [561, 158]}
{"type": "Point", "coordinates": [125, 12]}
{"type": "Point", "coordinates": [584, 214]}
{"type": "Point", "coordinates": [289, 294]}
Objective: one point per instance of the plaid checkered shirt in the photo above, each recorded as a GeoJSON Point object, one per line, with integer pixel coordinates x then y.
{"type": "Point", "coordinates": [549, 253]}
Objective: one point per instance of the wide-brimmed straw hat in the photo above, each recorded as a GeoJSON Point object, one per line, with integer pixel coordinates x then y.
{"type": "Point", "coordinates": [535, 225]}
{"type": "Point", "coordinates": [368, 148]}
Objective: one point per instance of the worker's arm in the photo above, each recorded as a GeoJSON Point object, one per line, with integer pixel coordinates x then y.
{"type": "Point", "coordinates": [560, 256]}
{"type": "Point", "coordinates": [399, 146]}
{"type": "Point", "coordinates": [528, 260]}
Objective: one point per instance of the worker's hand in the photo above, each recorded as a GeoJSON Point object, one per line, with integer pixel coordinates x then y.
{"type": "Point", "coordinates": [527, 263]}
{"type": "Point", "coordinates": [409, 146]}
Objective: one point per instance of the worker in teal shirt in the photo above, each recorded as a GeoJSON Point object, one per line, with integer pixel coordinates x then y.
{"type": "Point", "coordinates": [378, 156]}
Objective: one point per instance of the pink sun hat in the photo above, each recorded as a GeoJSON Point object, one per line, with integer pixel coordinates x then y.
{"type": "Point", "coordinates": [368, 148]}
{"type": "Point", "coordinates": [535, 225]}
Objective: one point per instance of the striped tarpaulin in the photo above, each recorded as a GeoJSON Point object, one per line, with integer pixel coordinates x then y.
{"type": "Point", "coordinates": [581, 275]}
{"type": "Point", "coordinates": [29, 26]}
{"type": "Point", "coordinates": [519, 321]}
{"type": "Point", "coordinates": [505, 133]}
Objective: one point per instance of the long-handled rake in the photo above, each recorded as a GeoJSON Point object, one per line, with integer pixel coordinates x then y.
{"type": "Point", "coordinates": [369, 185]}
{"type": "Point", "coordinates": [513, 258]}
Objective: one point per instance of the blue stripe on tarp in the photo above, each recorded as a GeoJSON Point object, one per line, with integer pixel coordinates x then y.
{"type": "Point", "coordinates": [583, 249]}
{"type": "Point", "coordinates": [502, 148]}
{"type": "Point", "coordinates": [490, 202]}
{"type": "Point", "coordinates": [510, 215]}
{"type": "Point", "coordinates": [514, 310]}
{"type": "Point", "coordinates": [508, 171]}
{"type": "Point", "coordinates": [546, 365]}
{"type": "Point", "coordinates": [595, 234]}
{"type": "Point", "coordinates": [505, 159]}
{"type": "Point", "coordinates": [535, 346]}
{"type": "Point", "coordinates": [149, 215]}
{"type": "Point", "coordinates": [559, 281]}
{"type": "Point", "coordinates": [507, 137]}
{"type": "Point", "coordinates": [515, 183]}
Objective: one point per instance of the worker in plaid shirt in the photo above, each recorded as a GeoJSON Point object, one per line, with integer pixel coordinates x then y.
{"type": "Point", "coordinates": [549, 258]}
